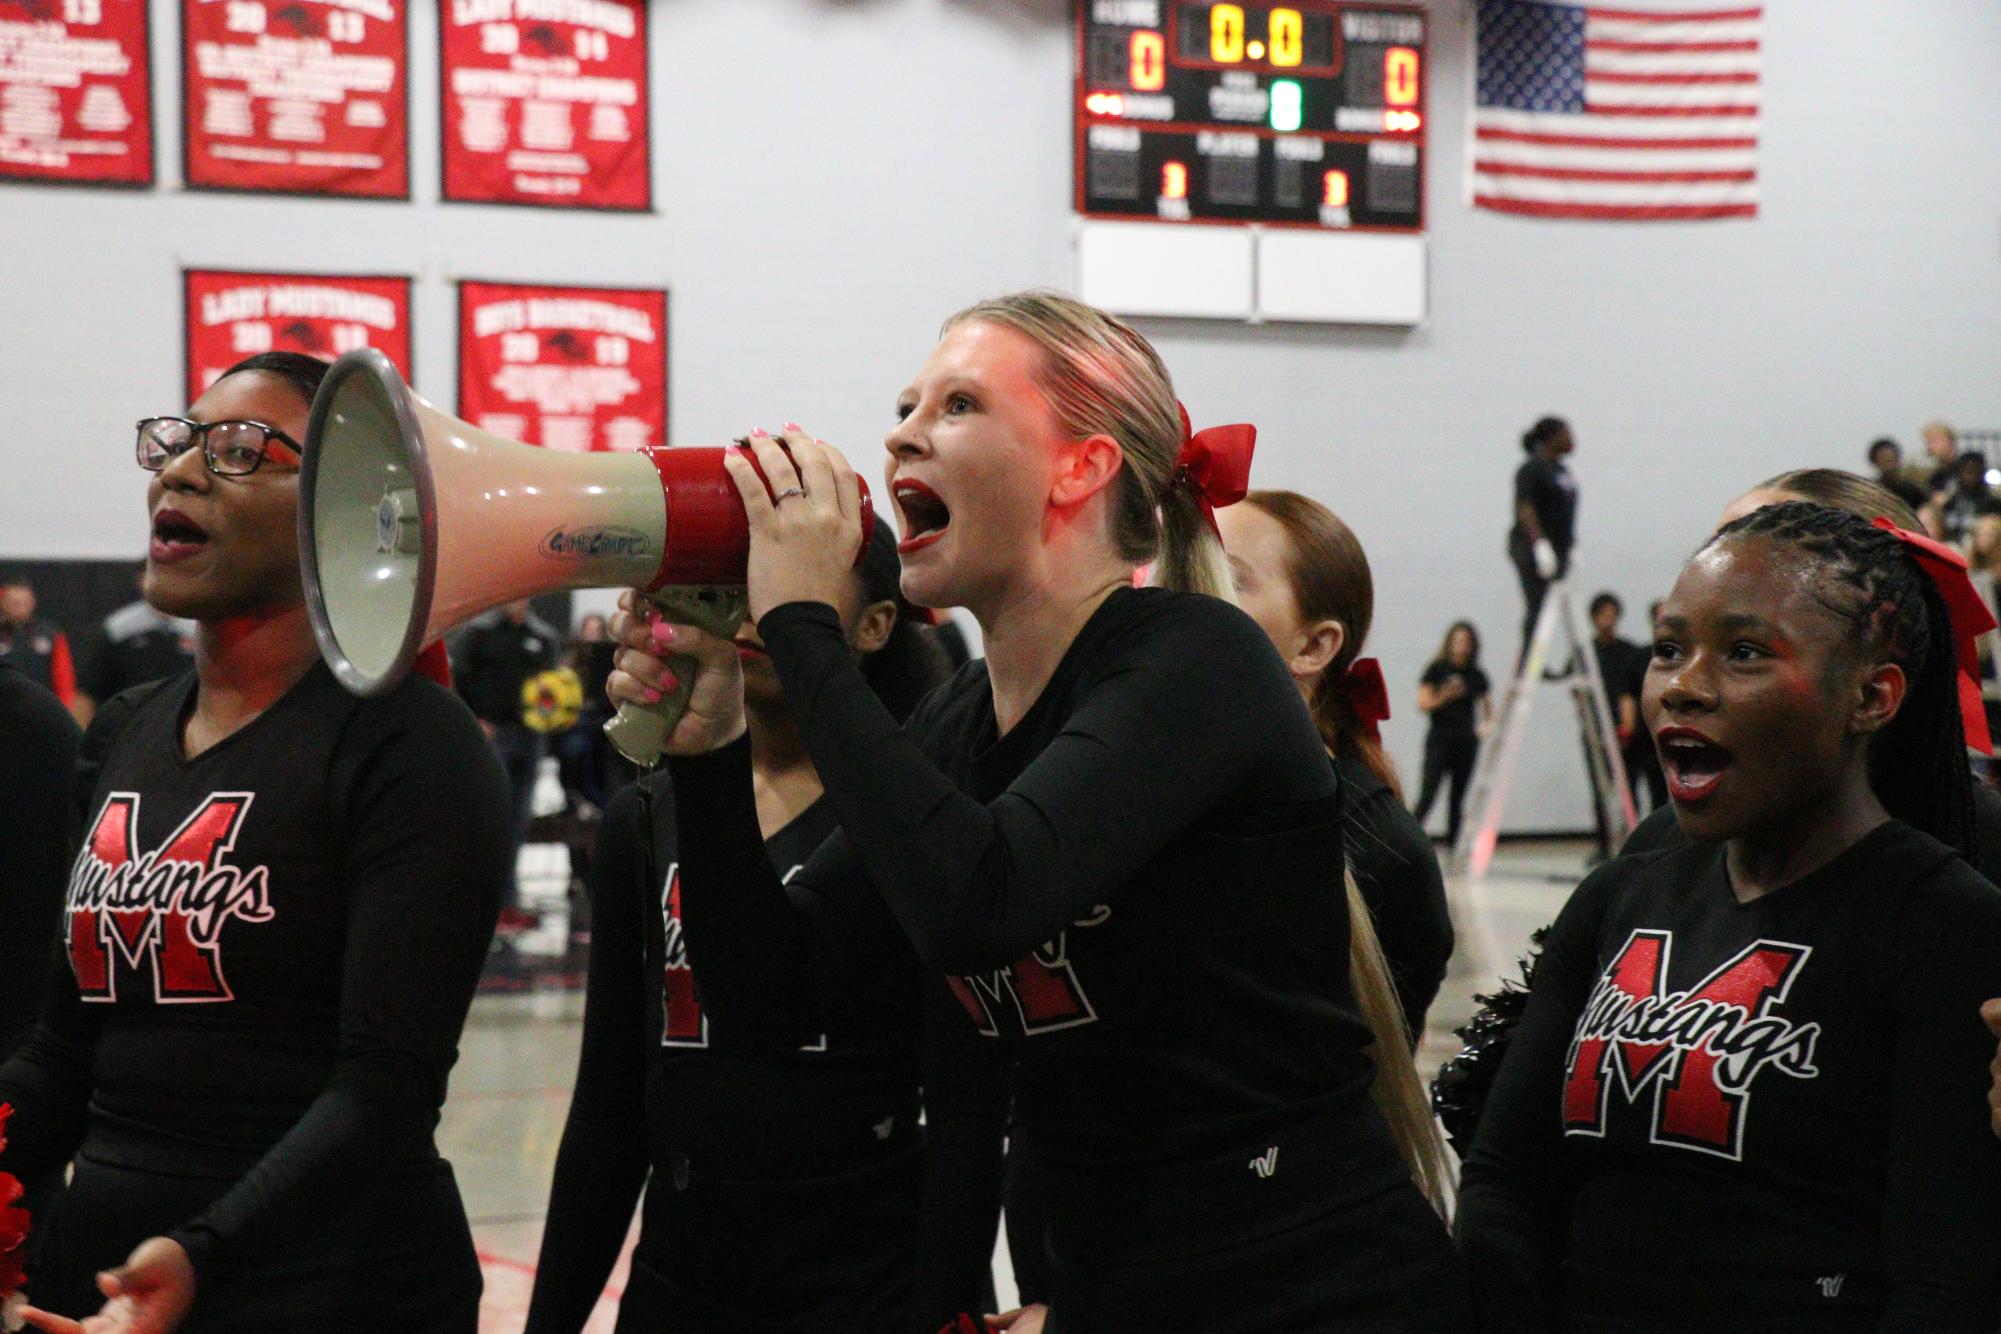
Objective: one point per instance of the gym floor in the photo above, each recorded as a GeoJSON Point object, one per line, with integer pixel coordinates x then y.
{"type": "Point", "coordinates": [512, 1086]}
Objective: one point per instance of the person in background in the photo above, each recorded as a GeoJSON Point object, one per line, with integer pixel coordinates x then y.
{"type": "Point", "coordinates": [1941, 457]}
{"type": "Point", "coordinates": [274, 926]}
{"type": "Point", "coordinates": [1456, 695]}
{"type": "Point", "coordinates": [491, 660]}
{"type": "Point", "coordinates": [1748, 1091]}
{"type": "Point", "coordinates": [1967, 512]}
{"type": "Point", "coordinates": [789, 1192]}
{"type": "Point", "coordinates": [34, 645]}
{"type": "Point", "coordinates": [583, 750]}
{"type": "Point", "coordinates": [1545, 513]}
{"type": "Point", "coordinates": [1886, 456]}
{"type": "Point", "coordinates": [134, 645]}
{"type": "Point", "coordinates": [1622, 665]}
{"type": "Point", "coordinates": [1302, 575]}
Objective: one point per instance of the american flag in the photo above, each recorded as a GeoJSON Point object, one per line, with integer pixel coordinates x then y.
{"type": "Point", "coordinates": [1623, 114]}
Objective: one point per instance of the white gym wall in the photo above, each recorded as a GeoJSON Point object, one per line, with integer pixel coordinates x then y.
{"type": "Point", "coordinates": [835, 176]}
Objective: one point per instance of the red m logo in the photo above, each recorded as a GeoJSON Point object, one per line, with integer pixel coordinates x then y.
{"type": "Point", "coordinates": [1041, 991]}
{"type": "Point", "coordinates": [159, 914]}
{"type": "Point", "coordinates": [1699, 1049]}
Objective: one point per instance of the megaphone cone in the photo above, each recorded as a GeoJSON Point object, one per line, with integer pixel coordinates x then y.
{"type": "Point", "coordinates": [412, 522]}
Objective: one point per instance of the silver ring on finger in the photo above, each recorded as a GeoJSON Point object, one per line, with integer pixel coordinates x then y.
{"type": "Point", "coordinates": [788, 493]}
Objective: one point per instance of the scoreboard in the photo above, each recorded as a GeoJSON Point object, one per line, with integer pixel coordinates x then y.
{"type": "Point", "coordinates": [1305, 114]}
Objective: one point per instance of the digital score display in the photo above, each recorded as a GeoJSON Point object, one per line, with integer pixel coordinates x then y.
{"type": "Point", "coordinates": [1305, 114]}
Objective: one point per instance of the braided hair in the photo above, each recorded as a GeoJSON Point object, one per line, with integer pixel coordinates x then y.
{"type": "Point", "coordinates": [1918, 765]}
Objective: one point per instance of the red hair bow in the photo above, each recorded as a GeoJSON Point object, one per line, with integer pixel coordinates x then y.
{"type": "Point", "coordinates": [1362, 685]}
{"type": "Point", "coordinates": [1971, 618]}
{"type": "Point", "coordinates": [13, 1222]}
{"type": "Point", "coordinates": [435, 663]}
{"type": "Point", "coordinates": [1216, 463]}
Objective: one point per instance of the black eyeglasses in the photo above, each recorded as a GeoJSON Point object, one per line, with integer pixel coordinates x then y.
{"type": "Point", "coordinates": [230, 448]}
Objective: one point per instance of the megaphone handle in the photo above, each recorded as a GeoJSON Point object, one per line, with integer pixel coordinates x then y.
{"type": "Point", "coordinates": [640, 731]}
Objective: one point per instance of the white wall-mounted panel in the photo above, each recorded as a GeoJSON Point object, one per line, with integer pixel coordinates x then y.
{"type": "Point", "coordinates": [1341, 277]}
{"type": "Point", "coordinates": [1137, 268]}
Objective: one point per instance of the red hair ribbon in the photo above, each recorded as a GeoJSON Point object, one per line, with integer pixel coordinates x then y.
{"type": "Point", "coordinates": [1216, 464]}
{"type": "Point", "coordinates": [14, 1223]}
{"type": "Point", "coordinates": [1363, 686]}
{"type": "Point", "coordinates": [435, 663]}
{"type": "Point", "coordinates": [1971, 618]}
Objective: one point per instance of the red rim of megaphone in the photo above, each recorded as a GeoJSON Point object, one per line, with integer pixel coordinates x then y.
{"type": "Point", "coordinates": [708, 533]}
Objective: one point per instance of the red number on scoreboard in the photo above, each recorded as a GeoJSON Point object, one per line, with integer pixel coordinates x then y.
{"type": "Point", "coordinates": [1173, 180]}
{"type": "Point", "coordinates": [1149, 61]}
{"type": "Point", "coordinates": [1400, 76]}
{"type": "Point", "coordinates": [1335, 194]}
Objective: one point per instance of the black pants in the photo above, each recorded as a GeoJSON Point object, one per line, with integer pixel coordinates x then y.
{"type": "Point", "coordinates": [1521, 552]}
{"type": "Point", "coordinates": [397, 1257]}
{"type": "Point", "coordinates": [1643, 770]}
{"type": "Point", "coordinates": [1384, 1266]}
{"type": "Point", "coordinates": [1447, 757]}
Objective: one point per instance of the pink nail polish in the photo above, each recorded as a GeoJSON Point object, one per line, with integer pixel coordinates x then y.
{"type": "Point", "coordinates": [663, 634]}
{"type": "Point", "coordinates": [794, 426]}
{"type": "Point", "coordinates": [760, 434]}
{"type": "Point", "coordinates": [669, 681]}
{"type": "Point", "coordinates": [651, 695]}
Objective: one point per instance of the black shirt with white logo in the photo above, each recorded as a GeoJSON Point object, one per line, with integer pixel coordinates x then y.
{"type": "Point", "coordinates": [784, 1191]}
{"type": "Point", "coordinates": [271, 949]}
{"type": "Point", "coordinates": [1750, 1116]}
{"type": "Point", "coordinates": [1137, 888]}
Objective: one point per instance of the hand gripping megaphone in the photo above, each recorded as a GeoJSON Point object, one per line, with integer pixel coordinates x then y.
{"type": "Point", "coordinates": [412, 522]}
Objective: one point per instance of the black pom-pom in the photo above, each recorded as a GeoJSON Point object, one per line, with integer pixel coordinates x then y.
{"type": "Point", "coordinates": [1459, 1094]}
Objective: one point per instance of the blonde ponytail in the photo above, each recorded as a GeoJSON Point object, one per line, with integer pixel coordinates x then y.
{"type": "Point", "coordinates": [1398, 1092]}
{"type": "Point", "coordinates": [1191, 555]}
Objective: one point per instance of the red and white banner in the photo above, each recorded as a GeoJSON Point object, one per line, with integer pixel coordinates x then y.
{"type": "Point", "coordinates": [577, 368]}
{"type": "Point", "coordinates": [296, 96]}
{"type": "Point", "coordinates": [75, 93]}
{"type": "Point", "coordinates": [231, 316]}
{"type": "Point", "coordinates": [545, 102]}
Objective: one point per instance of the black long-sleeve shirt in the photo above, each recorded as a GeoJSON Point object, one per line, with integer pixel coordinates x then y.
{"type": "Point", "coordinates": [1137, 887]}
{"type": "Point", "coordinates": [271, 951]}
{"type": "Point", "coordinates": [1397, 871]}
{"type": "Point", "coordinates": [783, 1191]}
{"type": "Point", "coordinates": [1749, 1116]}
{"type": "Point", "coordinates": [37, 759]}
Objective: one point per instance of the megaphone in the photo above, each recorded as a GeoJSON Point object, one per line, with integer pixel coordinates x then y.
{"type": "Point", "coordinates": [412, 522]}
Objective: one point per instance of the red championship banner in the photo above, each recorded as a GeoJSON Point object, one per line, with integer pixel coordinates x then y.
{"type": "Point", "coordinates": [75, 96]}
{"type": "Point", "coordinates": [231, 316]}
{"type": "Point", "coordinates": [545, 102]}
{"type": "Point", "coordinates": [296, 96]}
{"type": "Point", "coordinates": [578, 368]}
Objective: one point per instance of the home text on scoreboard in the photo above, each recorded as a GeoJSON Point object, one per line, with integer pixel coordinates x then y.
{"type": "Point", "coordinates": [1309, 113]}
